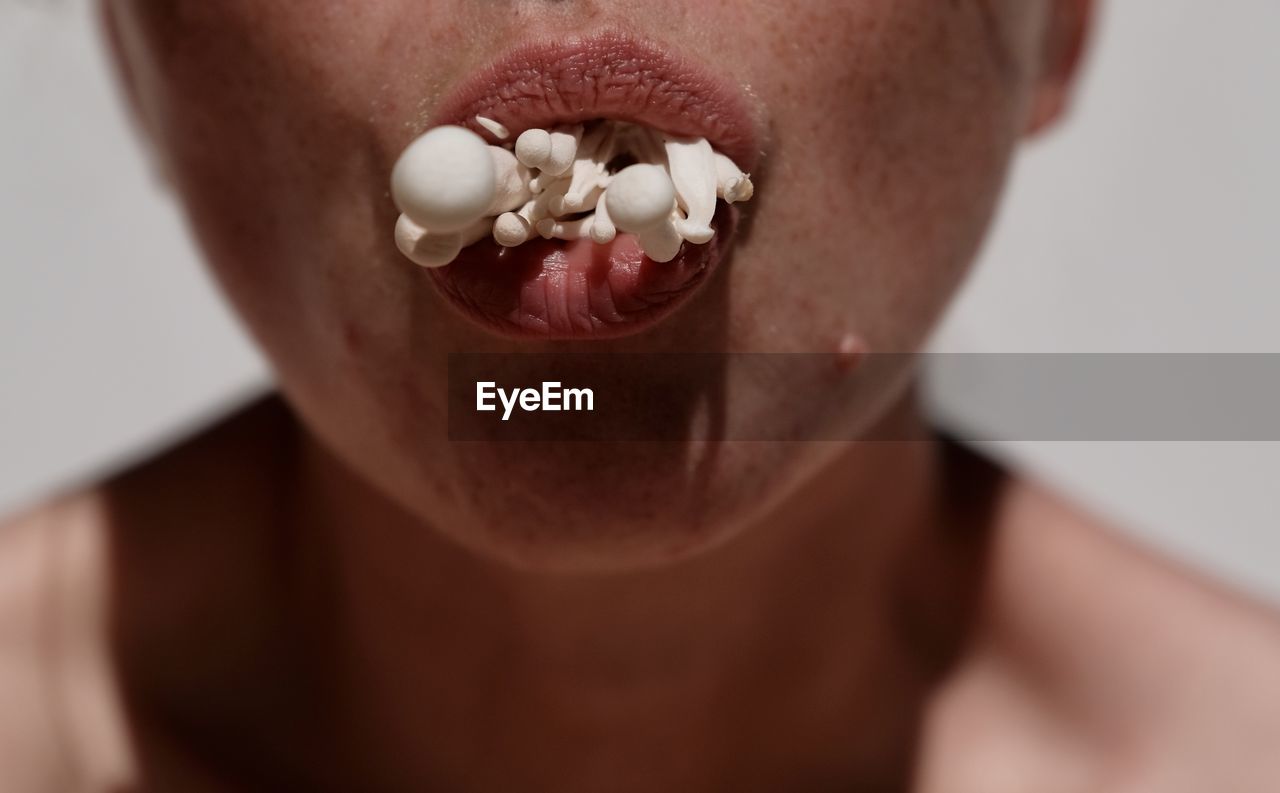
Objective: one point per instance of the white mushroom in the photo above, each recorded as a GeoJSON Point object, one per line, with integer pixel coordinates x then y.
{"type": "Point", "coordinates": [511, 182]}
{"type": "Point", "coordinates": [540, 181]}
{"type": "Point", "coordinates": [640, 196]}
{"type": "Point", "coordinates": [731, 183]}
{"type": "Point", "coordinates": [587, 181]}
{"type": "Point", "coordinates": [453, 189]}
{"type": "Point", "coordinates": [499, 131]}
{"type": "Point", "coordinates": [551, 152]}
{"type": "Point", "coordinates": [693, 172]}
{"type": "Point", "coordinates": [564, 149]}
{"type": "Point", "coordinates": [661, 242]}
{"type": "Point", "coordinates": [444, 180]}
{"type": "Point", "coordinates": [514, 228]}
{"type": "Point", "coordinates": [549, 201]}
{"type": "Point", "coordinates": [550, 228]}
{"type": "Point", "coordinates": [589, 173]}
{"type": "Point", "coordinates": [436, 249]}
{"type": "Point", "coordinates": [533, 147]}
{"type": "Point", "coordinates": [602, 229]}
{"type": "Point", "coordinates": [573, 202]}
{"type": "Point", "coordinates": [641, 199]}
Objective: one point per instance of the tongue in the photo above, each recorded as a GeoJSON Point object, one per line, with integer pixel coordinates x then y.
{"type": "Point", "coordinates": [571, 288]}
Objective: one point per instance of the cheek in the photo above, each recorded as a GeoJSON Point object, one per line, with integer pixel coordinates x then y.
{"type": "Point", "coordinates": [892, 129]}
{"type": "Point", "coordinates": [279, 123]}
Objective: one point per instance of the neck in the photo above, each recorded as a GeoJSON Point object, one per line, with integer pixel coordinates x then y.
{"type": "Point", "coordinates": [782, 650]}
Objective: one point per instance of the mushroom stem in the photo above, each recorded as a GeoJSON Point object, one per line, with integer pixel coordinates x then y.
{"type": "Point", "coordinates": [436, 249]}
{"type": "Point", "coordinates": [511, 182]}
{"type": "Point", "coordinates": [731, 183]}
{"type": "Point", "coordinates": [693, 172]}
{"type": "Point", "coordinates": [565, 229]}
{"type": "Point", "coordinates": [602, 230]}
{"type": "Point", "coordinates": [661, 241]}
{"type": "Point", "coordinates": [495, 129]}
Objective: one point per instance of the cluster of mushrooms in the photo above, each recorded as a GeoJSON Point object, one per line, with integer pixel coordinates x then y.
{"type": "Point", "coordinates": [571, 182]}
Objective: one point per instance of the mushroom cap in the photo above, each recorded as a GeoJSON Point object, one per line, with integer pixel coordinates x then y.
{"type": "Point", "coordinates": [640, 196]}
{"type": "Point", "coordinates": [533, 147]}
{"type": "Point", "coordinates": [444, 180]}
{"type": "Point", "coordinates": [509, 230]}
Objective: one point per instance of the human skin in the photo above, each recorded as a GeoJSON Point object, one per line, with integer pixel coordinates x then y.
{"type": "Point", "coordinates": [324, 594]}
{"type": "Point", "coordinates": [892, 123]}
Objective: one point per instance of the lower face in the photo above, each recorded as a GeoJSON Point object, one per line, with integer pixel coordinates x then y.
{"type": "Point", "coordinates": [882, 132]}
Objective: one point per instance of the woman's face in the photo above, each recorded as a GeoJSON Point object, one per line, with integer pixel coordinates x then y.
{"type": "Point", "coordinates": [882, 129]}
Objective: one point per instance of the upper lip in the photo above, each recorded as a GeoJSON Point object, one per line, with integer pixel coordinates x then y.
{"type": "Point", "coordinates": [608, 75]}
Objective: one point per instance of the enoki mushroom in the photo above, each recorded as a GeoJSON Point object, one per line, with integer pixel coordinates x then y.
{"type": "Point", "coordinates": [568, 183]}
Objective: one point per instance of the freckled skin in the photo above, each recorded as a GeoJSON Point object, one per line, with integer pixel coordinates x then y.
{"type": "Point", "coordinates": [887, 130]}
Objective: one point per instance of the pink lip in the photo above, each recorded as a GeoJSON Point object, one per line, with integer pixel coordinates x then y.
{"type": "Point", "coordinates": [550, 289]}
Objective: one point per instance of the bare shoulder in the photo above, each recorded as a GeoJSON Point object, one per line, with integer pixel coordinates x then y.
{"type": "Point", "coordinates": [58, 711]}
{"type": "Point", "coordinates": [1103, 666]}
{"type": "Point", "coordinates": [46, 551]}
{"type": "Point", "coordinates": [83, 572]}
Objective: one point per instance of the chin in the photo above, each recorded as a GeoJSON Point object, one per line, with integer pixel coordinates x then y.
{"type": "Point", "coordinates": [598, 507]}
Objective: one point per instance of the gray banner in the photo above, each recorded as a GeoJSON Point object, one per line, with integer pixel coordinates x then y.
{"type": "Point", "coordinates": [820, 397]}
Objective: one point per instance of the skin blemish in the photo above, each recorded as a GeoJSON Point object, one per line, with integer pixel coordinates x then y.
{"type": "Point", "coordinates": [850, 352]}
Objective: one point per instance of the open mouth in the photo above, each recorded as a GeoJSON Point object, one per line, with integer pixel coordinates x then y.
{"type": "Point", "coordinates": [554, 276]}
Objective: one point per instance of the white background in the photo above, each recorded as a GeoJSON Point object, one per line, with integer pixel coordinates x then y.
{"type": "Point", "coordinates": [1149, 223]}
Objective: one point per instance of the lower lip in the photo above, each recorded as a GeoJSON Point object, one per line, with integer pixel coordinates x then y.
{"type": "Point", "coordinates": [556, 289]}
